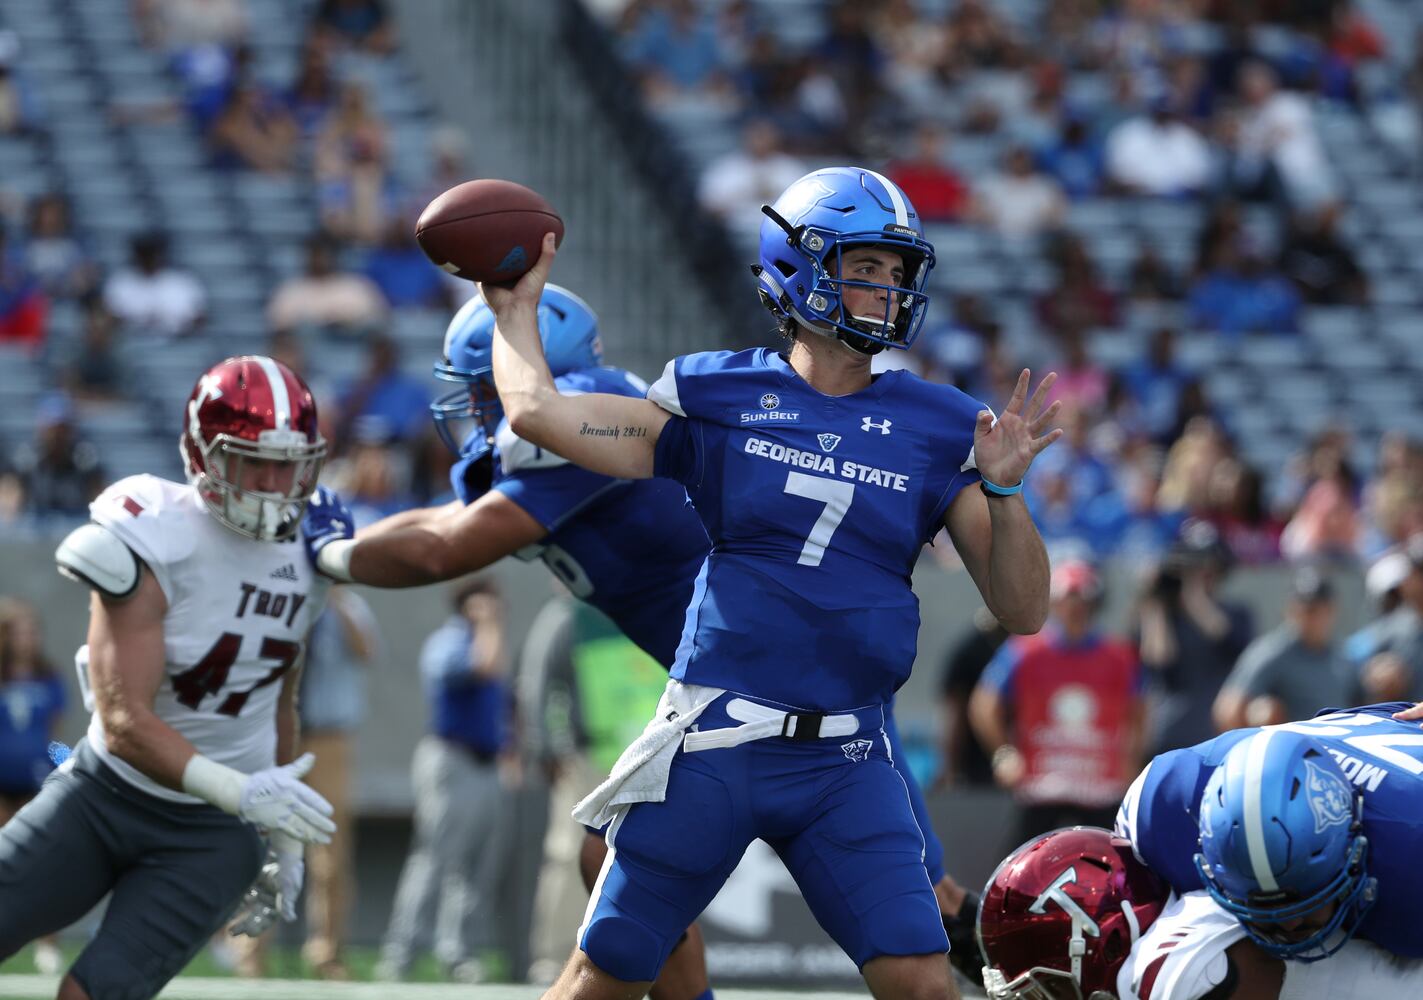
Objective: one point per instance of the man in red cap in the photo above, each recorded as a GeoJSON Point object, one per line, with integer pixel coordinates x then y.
{"type": "Point", "coordinates": [1064, 710]}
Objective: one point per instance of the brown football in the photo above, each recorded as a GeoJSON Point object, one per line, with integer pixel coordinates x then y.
{"type": "Point", "coordinates": [486, 230]}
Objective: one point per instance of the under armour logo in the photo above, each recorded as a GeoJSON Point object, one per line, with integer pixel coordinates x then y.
{"type": "Point", "coordinates": [287, 572]}
{"type": "Point", "coordinates": [828, 441]}
{"type": "Point", "coordinates": [869, 424]}
{"type": "Point", "coordinates": [857, 750]}
{"type": "Point", "coordinates": [513, 260]}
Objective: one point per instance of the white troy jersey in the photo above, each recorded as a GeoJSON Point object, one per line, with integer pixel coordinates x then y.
{"type": "Point", "coordinates": [239, 611]}
{"type": "Point", "coordinates": [1182, 957]}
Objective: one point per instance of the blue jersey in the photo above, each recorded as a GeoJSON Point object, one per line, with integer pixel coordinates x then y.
{"type": "Point", "coordinates": [629, 548]}
{"type": "Point", "coordinates": [28, 710]}
{"type": "Point", "coordinates": [817, 508]}
{"type": "Point", "coordinates": [1384, 760]}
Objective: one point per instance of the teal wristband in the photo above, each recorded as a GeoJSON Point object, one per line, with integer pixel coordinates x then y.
{"type": "Point", "coordinates": [994, 490]}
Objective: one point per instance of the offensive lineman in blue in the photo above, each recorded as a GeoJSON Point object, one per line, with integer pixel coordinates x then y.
{"type": "Point", "coordinates": [818, 484]}
{"type": "Point", "coordinates": [1307, 832]}
{"type": "Point", "coordinates": [630, 548]}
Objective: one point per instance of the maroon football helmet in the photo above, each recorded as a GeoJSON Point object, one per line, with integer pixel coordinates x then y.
{"type": "Point", "coordinates": [251, 446]}
{"type": "Point", "coordinates": [1060, 915]}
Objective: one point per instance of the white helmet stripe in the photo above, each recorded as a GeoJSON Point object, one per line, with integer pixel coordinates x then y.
{"type": "Point", "coordinates": [281, 401]}
{"type": "Point", "coordinates": [1134, 925]}
{"type": "Point", "coordinates": [901, 208]}
{"type": "Point", "coordinates": [1254, 821]}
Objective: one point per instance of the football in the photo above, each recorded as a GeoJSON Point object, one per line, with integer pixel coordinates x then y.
{"type": "Point", "coordinates": [486, 230]}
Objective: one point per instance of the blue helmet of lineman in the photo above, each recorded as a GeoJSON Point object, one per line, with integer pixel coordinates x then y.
{"type": "Point", "coordinates": [803, 237]}
{"type": "Point", "coordinates": [1282, 845]}
{"type": "Point", "coordinates": [568, 329]}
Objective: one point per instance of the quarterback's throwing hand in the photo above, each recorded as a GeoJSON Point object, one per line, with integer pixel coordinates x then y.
{"type": "Point", "coordinates": [1004, 448]}
{"type": "Point", "coordinates": [277, 800]}
{"type": "Point", "coordinates": [326, 519]}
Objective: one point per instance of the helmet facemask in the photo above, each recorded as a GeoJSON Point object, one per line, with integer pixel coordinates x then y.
{"type": "Point", "coordinates": [462, 412]}
{"type": "Point", "coordinates": [221, 466]}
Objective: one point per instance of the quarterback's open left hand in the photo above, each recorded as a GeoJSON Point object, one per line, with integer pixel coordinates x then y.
{"type": "Point", "coordinates": [326, 519]}
{"type": "Point", "coordinates": [1004, 448]}
{"type": "Point", "coordinates": [276, 890]}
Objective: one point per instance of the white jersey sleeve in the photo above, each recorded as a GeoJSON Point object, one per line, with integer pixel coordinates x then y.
{"type": "Point", "coordinates": [665, 393]}
{"type": "Point", "coordinates": [238, 615]}
{"type": "Point", "coordinates": [518, 455]}
{"type": "Point", "coordinates": [1125, 825]}
{"type": "Point", "coordinates": [132, 509]}
{"type": "Point", "coordinates": [1182, 955]}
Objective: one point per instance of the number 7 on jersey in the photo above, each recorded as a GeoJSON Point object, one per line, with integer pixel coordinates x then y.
{"type": "Point", "coordinates": [837, 498]}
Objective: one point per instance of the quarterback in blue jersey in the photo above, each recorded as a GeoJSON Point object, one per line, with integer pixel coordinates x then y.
{"type": "Point", "coordinates": [1308, 832]}
{"type": "Point", "coordinates": [630, 548]}
{"type": "Point", "coordinates": [818, 485]}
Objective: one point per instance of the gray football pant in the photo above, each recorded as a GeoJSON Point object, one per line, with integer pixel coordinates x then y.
{"type": "Point", "coordinates": [457, 851]}
{"type": "Point", "coordinates": [176, 872]}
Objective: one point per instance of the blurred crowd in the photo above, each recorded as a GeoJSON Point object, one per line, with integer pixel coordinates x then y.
{"type": "Point", "coordinates": [1205, 105]}
{"type": "Point", "coordinates": [360, 271]}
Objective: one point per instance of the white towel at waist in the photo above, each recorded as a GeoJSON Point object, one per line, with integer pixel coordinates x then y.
{"type": "Point", "coordinates": [640, 774]}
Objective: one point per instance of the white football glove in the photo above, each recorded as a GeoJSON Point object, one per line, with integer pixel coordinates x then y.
{"type": "Point", "coordinates": [274, 799]}
{"type": "Point", "coordinates": [277, 800]}
{"type": "Point", "coordinates": [276, 890]}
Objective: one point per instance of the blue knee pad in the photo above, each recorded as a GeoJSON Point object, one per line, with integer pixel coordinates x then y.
{"type": "Point", "coordinates": [624, 948]}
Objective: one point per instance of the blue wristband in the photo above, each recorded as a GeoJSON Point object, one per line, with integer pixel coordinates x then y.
{"type": "Point", "coordinates": [1000, 491]}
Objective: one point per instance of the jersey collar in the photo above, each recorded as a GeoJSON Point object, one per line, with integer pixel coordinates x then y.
{"type": "Point", "coordinates": [879, 383]}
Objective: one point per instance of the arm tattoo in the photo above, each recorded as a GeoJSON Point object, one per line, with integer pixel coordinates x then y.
{"type": "Point", "coordinates": [612, 431]}
{"type": "Point", "coordinates": [587, 430]}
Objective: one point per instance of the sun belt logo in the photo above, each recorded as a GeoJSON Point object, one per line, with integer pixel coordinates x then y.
{"type": "Point", "coordinates": [770, 401]}
{"type": "Point", "coordinates": [828, 441]}
{"type": "Point", "coordinates": [870, 424]}
{"type": "Point", "coordinates": [857, 750]}
{"type": "Point", "coordinates": [1329, 797]}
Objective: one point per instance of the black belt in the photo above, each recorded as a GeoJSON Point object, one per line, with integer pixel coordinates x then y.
{"type": "Point", "coordinates": [807, 725]}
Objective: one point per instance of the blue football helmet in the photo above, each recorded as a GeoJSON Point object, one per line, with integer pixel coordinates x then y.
{"type": "Point", "coordinates": [569, 331]}
{"type": "Point", "coordinates": [803, 236]}
{"type": "Point", "coordinates": [1281, 836]}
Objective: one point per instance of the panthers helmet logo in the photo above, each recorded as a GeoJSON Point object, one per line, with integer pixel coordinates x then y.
{"type": "Point", "coordinates": [1329, 797]}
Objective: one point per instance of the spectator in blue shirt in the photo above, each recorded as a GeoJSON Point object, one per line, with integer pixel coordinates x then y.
{"type": "Point", "coordinates": [675, 47]}
{"type": "Point", "coordinates": [1239, 294]}
{"type": "Point", "coordinates": [384, 391]}
{"type": "Point", "coordinates": [460, 836]}
{"type": "Point", "coordinates": [1074, 158]}
{"type": "Point", "coordinates": [402, 272]}
{"type": "Point", "coordinates": [1156, 382]}
{"type": "Point", "coordinates": [31, 703]}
